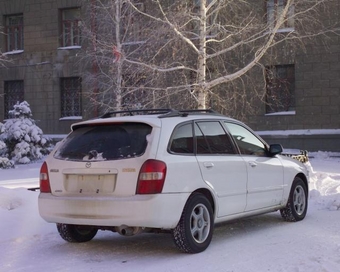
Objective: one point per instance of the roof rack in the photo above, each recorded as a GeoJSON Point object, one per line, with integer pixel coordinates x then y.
{"type": "Point", "coordinates": [163, 112]}
{"type": "Point", "coordinates": [184, 113]}
{"type": "Point", "coordinates": [134, 112]}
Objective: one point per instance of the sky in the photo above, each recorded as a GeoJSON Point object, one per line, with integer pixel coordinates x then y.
{"type": "Point", "coordinates": [263, 243]}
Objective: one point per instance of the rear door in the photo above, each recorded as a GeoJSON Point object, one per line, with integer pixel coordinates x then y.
{"type": "Point", "coordinates": [100, 160]}
{"type": "Point", "coordinates": [265, 173]}
{"type": "Point", "coordinates": [222, 168]}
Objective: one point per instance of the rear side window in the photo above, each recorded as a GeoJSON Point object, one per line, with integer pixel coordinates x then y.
{"type": "Point", "coordinates": [182, 140]}
{"type": "Point", "coordinates": [105, 142]}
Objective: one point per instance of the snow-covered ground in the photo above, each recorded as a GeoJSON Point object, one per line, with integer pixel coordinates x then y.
{"type": "Point", "coordinates": [260, 244]}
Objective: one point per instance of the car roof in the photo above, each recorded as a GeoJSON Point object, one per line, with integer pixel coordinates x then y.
{"type": "Point", "coordinates": [154, 116]}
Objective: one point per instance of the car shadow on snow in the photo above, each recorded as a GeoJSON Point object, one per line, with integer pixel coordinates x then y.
{"type": "Point", "coordinates": [160, 245]}
{"type": "Point", "coordinates": [237, 228]}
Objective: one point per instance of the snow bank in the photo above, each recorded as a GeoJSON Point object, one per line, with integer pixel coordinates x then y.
{"type": "Point", "coordinates": [324, 187]}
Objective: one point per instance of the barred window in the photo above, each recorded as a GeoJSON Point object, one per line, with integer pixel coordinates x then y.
{"type": "Point", "coordinates": [274, 11]}
{"type": "Point", "coordinates": [14, 29]}
{"type": "Point", "coordinates": [280, 84]}
{"type": "Point", "coordinates": [131, 27]}
{"type": "Point", "coordinates": [135, 93]}
{"type": "Point", "coordinates": [70, 27]}
{"type": "Point", "coordinates": [70, 89]}
{"type": "Point", "coordinates": [13, 93]}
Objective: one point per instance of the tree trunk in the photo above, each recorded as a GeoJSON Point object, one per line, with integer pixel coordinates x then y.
{"type": "Point", "coordinates": [118, 61]}
{"type": "Point", "coordinates": [202, 58]}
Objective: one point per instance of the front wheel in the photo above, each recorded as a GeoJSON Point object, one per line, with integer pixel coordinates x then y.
{"type": "Point", "coordinates": [296, 208]}
{"type": "Point", "coordinates": [194, 230]}
{"type": "Point", "coordinates": [76, 234]}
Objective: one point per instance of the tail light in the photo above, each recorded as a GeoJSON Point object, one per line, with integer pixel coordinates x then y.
{"type": "Point", "coordinates": [44, 179]}
{"type": "Point", "coordinates": [151, 177]}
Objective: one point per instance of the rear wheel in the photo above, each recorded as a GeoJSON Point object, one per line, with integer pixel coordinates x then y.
{"type": "Point", "coordinates": [194, 231]}
{"type": "Point", "coordinates": [76, 234]}
{"type": "Point", "coordinates": [297, 204]}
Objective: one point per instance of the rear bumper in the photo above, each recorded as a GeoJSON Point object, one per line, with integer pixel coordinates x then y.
{"type": "Point", "coordinates": [152, 211]}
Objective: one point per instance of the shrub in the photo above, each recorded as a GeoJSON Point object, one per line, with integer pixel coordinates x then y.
{"type": "Point", "coordinates": [24, 140]}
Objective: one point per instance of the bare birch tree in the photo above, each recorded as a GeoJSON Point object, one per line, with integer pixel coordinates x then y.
{"type": "Point", "coordinates": [110, 29]}
{"type": "Point", "coordinates": [197, 53]}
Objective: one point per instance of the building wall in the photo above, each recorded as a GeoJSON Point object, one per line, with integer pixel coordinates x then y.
{"type": "Point", "coordinates": [310, 142]}
{"type": "Point", "coordinates": [317, 92]}
{"type": "Point", "coordinates": [317, 81]}
{"type": "Point", "coordinates": [42, 62]}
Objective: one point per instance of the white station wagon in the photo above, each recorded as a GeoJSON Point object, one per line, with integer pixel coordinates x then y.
{"type": "Point", "coordinates": [166, 170]}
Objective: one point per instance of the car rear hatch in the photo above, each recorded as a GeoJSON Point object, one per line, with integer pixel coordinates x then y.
{"type": "Point", "coordinates": [101, 159]}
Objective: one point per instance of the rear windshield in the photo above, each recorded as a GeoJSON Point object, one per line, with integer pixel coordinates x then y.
{"type": "Point", "coordinates": [105, 142]}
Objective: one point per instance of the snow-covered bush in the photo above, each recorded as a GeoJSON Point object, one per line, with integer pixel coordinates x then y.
{"type": "Point", "coordinates": [6, 163]}
{"type": "Point", "coordinates": [3, 149]}
{"type": "Point", "coordinates": [2, 145]}
{"type": "Point", "coordinates": [24, 140]}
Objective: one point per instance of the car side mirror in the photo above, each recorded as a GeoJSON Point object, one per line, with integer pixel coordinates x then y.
{"type": "Point", "coordinates": [275, 149]}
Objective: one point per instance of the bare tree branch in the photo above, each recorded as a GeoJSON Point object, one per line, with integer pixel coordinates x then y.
{"type": "Point", "coordinates": [186, 52]}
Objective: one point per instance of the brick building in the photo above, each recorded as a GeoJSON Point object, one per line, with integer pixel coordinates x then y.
{"type": "Point", "coordinates": [308, 115]}
{"type": "Point", "coordinates": [42, 43]}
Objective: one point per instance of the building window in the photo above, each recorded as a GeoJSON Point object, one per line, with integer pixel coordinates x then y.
{"type": "Point", "coordinates": [280, 85]}
{"type": "Point", "coordinates": [134, 86]}
{"type": "Point", "coordinates": [14, 29]}
{"type": "Point", "coordinates": [274, 11]}
{"type": "Point", "coordinates": [70, 27]}
{"type": "Point", "coordinates": [70, 89]}
{"type": "Point", "coordinates": [13, 93]}
{"type": "Point", "coordinates": [131, 22]}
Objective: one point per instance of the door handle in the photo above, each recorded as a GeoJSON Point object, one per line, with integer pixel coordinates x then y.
{"type": "Point", "coordinates": [252, 164]}
{"type": "Point", "coordinates": [208, 165]}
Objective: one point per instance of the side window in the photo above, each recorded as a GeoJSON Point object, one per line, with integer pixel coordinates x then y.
{"type": "Point", "coordinates": [182, 140]}
{"type": "Point", "coordinates": [70, 96]}
{"type": "Point", "coordinates": [13, 94]}
{"type": "Point", "coordinates": [131, 22]}
{"type": "Point", "coordinates": [14, 30]}
{"type": "Point", "coordinates": [212, 139]}
{"type": "Point", "coordinates": [247, 142]}
{"type": "Point", "coordinates": [70, 27]}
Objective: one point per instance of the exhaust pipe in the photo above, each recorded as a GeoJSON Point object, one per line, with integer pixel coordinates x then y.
{"type": "Point", "coordinates": [128, 231]}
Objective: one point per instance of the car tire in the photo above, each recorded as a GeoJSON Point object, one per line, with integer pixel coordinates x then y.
{"type": "Point", "coordinates": [297, 204]}
{"type": "Point", "coordinates": [76, 234]}
{"type": "Point", "coordinates": [194, 230]}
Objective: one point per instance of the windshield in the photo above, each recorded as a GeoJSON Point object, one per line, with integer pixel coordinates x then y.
{"type": "Point", "coordinates": [105, 142]}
